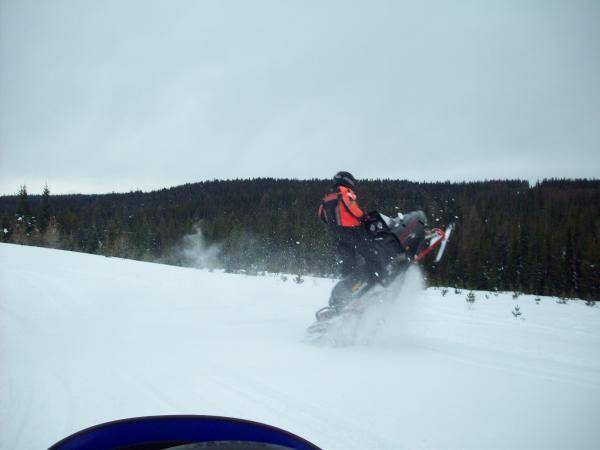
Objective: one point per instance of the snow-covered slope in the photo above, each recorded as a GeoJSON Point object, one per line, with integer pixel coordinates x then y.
{"type": "Point", "coordinates": [86, 339]}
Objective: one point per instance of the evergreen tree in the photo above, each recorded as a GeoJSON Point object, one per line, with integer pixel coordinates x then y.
{"type": "Point", "coordinates": [23, 206]}
{"type": "Point", "coordinates": [46, 212]}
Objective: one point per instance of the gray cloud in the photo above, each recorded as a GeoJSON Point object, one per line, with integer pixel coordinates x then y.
{"type": "Point", "coordinates": [103, 96]}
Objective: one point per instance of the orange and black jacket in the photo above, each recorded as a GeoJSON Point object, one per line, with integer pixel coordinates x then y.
{"type": "Point", "coordinates": [339, 208]}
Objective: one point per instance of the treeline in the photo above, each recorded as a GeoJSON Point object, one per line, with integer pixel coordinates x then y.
{"type": "Point", "coordinates": [543, 239]}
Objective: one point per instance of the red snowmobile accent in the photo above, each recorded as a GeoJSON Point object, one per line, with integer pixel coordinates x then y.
{"type": "Point", "coordinates": [433, 243]}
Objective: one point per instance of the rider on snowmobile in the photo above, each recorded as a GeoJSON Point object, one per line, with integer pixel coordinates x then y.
{"type": "Point", "coordinates": [388, 246]}
{"type": "Point", "coordinates": [339, 210]}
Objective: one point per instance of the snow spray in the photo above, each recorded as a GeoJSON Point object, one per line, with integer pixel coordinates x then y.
{"type": "Point", "coordinates": [390, 320]}
{"type": "Point", "coordinates": [196, 252]}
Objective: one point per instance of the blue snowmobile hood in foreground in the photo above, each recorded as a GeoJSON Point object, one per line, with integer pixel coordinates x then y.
{"type": "Point", "coordinates": [183, 433]}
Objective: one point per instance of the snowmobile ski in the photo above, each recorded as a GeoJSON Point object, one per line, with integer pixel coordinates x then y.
{"type": "Point", "coordinates": [445, 239]}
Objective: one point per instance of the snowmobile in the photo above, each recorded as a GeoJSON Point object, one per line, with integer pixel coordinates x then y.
{"type": "Point", "coordinates": [178, 432]}
{"type": "Point", "coordinates": [395, 243]}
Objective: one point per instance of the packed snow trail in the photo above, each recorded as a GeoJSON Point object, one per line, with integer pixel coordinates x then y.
{"type": "Point", "coordinates": [86, 339]}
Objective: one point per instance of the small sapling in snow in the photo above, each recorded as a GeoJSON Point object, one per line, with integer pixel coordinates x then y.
{"type": "Point", "coordinates": [470, 298]}
{"type": "Point", "coordinates": [516, 312]}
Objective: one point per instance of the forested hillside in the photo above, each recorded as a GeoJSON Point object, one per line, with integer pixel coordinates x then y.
{"type": "Point", "coordinates": [543, 239]}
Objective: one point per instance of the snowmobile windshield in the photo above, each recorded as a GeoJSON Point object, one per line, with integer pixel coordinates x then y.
{"type": "Point", "coordinates": [386, 219]}
{"type": "Point", "coordinates": [230, 445]}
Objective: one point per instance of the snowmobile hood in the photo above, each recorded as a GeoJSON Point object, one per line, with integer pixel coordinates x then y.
{"type": "Point", "coordinates": [184, 433]}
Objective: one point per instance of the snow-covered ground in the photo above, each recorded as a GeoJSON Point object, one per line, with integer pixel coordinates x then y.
{"type": "Point", "coordinates": [86, 339]}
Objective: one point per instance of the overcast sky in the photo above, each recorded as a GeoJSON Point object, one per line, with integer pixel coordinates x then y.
{"type": "Point", "coordinates": [100, 96]}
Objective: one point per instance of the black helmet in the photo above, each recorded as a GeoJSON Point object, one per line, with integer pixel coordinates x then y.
{"type": "Point", "coordinates": [344, 179]}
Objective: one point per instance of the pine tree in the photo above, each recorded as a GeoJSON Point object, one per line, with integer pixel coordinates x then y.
{"type": "Point", "coordinates": [46, 213]}
{"type": "Point", "coordinates": [25, 221]}
{"type": "Point", "coordinates": [23, 207]}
